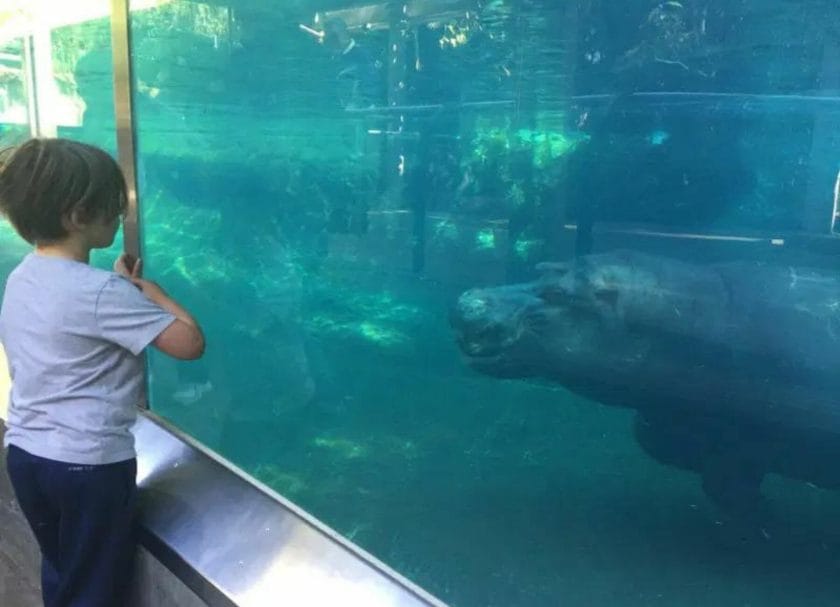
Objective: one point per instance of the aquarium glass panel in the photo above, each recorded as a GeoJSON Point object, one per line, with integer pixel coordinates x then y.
{"type": "Point", "coordinates": [14, 126]}
{"type": "Point", "coordinates": [14, 98]}
{"type": "Point", "coordinates": [55, 64]}
{"type": "Point", "coordinates": [535, 300]}
{"type": "Point", "coordinates": [82, 87]}
{"type": "Point", "coordinates": [83, 77]}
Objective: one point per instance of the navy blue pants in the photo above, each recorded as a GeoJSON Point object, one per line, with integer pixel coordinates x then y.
{"type": "Point", "coordinates": [83, 519]}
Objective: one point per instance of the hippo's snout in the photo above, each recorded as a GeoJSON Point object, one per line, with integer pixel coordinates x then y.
{"type": "Point", "coordinates": [488, 323]}
{"type": "Point", "coordinates": [477, 332]}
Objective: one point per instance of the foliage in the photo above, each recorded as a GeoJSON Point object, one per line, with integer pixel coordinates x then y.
{"type": "Point", "coordinates": [516, 163]}
{"type": "Point", "coordinates": [544, 146]}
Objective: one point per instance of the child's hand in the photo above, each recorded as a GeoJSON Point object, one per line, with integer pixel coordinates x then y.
{"type": "Point", "coordinates": [128, 266]}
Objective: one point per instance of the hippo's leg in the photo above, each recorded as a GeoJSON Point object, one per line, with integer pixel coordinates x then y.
{"type": "Point", "coordinates": [733, 483]}
{"type": "Point", "coordinates": [731, 469]}
{"type": "Point", "coordinates": [669, 442]}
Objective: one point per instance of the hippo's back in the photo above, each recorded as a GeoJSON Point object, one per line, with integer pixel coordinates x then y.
{"type": "Point", "coordinates": [785, 314]}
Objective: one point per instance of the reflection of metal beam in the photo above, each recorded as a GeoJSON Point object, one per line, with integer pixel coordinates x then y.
{"type": "Point", "coordinates": [378, 16]}
{"type": "Point", "coordinates": [43, 82]}
{"type": "Point", "coordinates": [311, 31]}
{"type": "Point", "coordinates": [665, 233]}
{"type": "Point", "coordinates": [426, 10]}
{"type": "Point", "coordinates": [431, 107]}
{"type": "Point", "coordinates": [29, 86]}
{"type": "Point", "coordinates": [835, 213]}
{"type": "Point", "coordinates": [706, 96]}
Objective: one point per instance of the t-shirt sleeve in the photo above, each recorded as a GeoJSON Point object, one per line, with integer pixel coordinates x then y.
{"type": "Point", "coordinates": [127, 317]}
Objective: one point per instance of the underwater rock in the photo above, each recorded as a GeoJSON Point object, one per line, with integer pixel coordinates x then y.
{"type": "Point", "coordinates": [732, 368]}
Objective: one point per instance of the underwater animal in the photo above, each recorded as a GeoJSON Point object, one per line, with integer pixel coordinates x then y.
{"type": "Point", "coordinates": [733, 368]}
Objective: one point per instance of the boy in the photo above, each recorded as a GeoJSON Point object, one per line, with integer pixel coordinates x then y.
{"type": "Point", "coordinates": [73, 335]}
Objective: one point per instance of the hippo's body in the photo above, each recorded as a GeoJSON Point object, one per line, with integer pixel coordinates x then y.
{"type": "Point", "coordinates": [733, 368]}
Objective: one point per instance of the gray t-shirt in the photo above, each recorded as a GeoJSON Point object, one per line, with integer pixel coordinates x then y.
{"type": "Point", "coordinates": [72, 336]}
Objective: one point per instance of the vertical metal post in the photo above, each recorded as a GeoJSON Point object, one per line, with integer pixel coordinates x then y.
{"type": "Point", "coordinates": [123, 111]}
{"type": "Point", "coordinates": [126, 149]}
{"type": "Point", "coordinates": [41, 90]}
{"type": "Point", "coordinates": [29, 86]}
{"type": "Point", "coordinates": [46, 91]}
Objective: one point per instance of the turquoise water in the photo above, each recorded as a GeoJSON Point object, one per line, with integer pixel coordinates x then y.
{"type": "Point", "coordinates": [456, 479]}
{"type": "Point", "coordinates": [284, 221]}
{"type": "Point", "coordinates": [322, 227]}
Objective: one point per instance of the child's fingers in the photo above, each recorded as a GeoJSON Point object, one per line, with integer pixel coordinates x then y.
{"type": "Point", "coordinates": [138, 267]}
{"type": "Point", "coordinates": [120, 263]}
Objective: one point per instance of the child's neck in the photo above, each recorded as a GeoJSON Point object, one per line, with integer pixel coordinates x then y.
{"type": "Point", "coordinates": [68, 248]}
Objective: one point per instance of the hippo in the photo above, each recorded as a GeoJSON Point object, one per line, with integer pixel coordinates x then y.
{"type": "Point", "coordinates": [733, 368]}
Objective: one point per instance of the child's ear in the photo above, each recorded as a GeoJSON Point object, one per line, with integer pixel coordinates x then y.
{"type": "Point", "coordinates": [72, 221]}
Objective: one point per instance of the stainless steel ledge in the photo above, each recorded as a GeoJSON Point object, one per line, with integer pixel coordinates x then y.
{"type": "Point", "coordinates": [235, 542]}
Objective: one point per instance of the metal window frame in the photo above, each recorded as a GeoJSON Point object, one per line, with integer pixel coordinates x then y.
{"type": "Point", "coordinates": [124, 116]}
{"type": "Point", "coordinates": [29, 86]}
{"type": "Point", "coordinates": [274, 537]}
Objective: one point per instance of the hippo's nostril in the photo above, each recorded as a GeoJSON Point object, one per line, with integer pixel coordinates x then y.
{"type": "Point", "coordinates": [472, 305]}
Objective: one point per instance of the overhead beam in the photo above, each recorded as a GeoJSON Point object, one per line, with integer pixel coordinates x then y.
{"type": "Point", "coordinates": [380, 15]}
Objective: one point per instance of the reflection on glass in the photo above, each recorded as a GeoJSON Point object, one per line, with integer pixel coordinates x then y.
{"type": "Point", "coordinates": [14, 126]}
{"type": "Point", "coordinates": [82, 84]}
{"type": "Point", "coordinates": [14, 105]}
{"type": "Point", "coordinates": [57, 73]}
{"type": "Point", "coordinates": [55, 80]}
{"type": "Point", "coordinates": [536, 301]}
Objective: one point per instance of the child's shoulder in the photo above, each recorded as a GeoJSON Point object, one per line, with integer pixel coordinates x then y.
{"type": "Point", "coordinates": [60, 273]}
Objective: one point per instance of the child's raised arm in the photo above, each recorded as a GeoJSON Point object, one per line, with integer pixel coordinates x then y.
{"type": "Point", "coordinates": [183, 338]}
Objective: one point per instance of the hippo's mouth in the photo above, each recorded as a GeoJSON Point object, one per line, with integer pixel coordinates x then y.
{"type": "Point", "coordinates": [487, 343]}
{"type": "Point", "coordinates": [478, 352]}
{"type": "Point", "coordinates": [496, 362]}
{"type": "Point", "coordinates": [500, 351]}
{"type": "Point", "coordinates": [498, 334]}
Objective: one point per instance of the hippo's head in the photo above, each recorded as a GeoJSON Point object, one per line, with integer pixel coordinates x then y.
{"type": "Point", "coordinates": [535, 329]}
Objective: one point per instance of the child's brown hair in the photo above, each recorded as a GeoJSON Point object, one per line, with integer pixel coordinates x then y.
{"type": "Point", "coordinates": [44, 182]}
